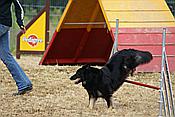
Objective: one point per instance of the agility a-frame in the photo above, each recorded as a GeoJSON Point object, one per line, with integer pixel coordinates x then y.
{"type": "Point", "coordinates": [83, 35]}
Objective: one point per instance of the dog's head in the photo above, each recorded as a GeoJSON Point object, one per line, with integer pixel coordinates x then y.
{"type": "Point", "coordinates": [79, 76]}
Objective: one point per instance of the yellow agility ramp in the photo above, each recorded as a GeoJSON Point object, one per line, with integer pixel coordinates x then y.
{"type": "Point", "coordinates": [138, 13]}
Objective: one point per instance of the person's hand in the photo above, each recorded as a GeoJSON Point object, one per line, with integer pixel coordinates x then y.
{"type": "Point", "coordinates": [23, 29]}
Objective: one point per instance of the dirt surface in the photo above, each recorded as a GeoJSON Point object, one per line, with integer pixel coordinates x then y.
{"type": "Point", "coordinates": [54, 95]}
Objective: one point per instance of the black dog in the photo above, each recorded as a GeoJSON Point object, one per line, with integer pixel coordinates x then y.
{"type": "Point", "coordinates": [105, 81]}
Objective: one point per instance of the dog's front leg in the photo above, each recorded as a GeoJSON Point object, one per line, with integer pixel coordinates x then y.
{"type": "Point", "coordinates": [92, 101]}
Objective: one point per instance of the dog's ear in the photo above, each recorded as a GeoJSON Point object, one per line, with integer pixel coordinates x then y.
{"type": "Point", "coordinates": [87, 66]}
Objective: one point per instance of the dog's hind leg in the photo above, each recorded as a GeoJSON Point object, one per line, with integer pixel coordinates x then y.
{"type": "Point", "coordinates": [92, 101]}
{"type": "Point", "coordinates": [109, 101]}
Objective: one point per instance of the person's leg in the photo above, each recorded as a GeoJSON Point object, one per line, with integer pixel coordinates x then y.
{"type": "Point", "coordinates": [22, 81]}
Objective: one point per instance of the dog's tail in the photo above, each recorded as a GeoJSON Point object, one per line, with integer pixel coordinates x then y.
{"type": "Point", "coordinates": [143, 57]}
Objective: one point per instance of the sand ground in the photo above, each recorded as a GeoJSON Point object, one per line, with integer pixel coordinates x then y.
{"type": "Point", "coordinates": [54, 95]}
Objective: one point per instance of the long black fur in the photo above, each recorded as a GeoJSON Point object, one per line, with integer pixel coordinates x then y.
{"type": "Point", "coordinates": [105, 81]}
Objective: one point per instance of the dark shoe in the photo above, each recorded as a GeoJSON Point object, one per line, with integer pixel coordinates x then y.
{"type": "Point", "coordinates": [22, 92]}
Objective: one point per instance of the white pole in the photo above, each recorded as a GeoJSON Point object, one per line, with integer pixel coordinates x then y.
{"type": "Point", "coordinates": [162, 76]}
{"type": "Point", "coordinates": [115, 45]}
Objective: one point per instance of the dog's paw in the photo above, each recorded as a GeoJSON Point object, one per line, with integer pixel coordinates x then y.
{"type": "Point", "coordinates": [111, 108]}
{"type": "Point", "coordinates": [91, 107]}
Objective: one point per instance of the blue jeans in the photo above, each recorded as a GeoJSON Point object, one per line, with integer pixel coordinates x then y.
{"type": "Point", "coordinates": [22, 81]}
